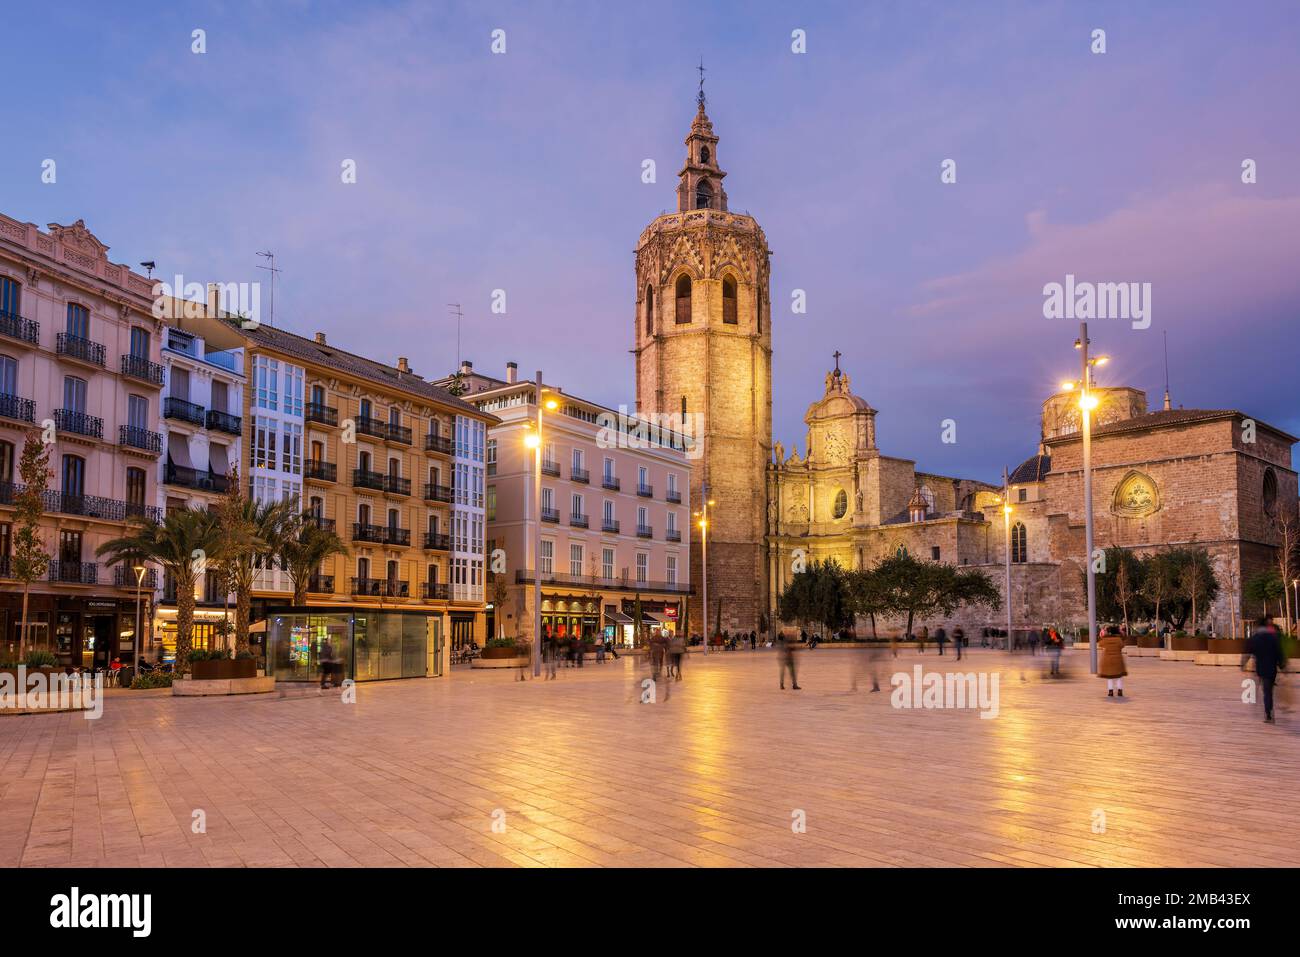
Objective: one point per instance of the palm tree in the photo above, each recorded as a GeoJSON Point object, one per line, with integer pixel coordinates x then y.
{"type": "Point", "coordinates": [304, 547]}
{"type": "Point", "coordinates": [263, 526]}
{"type": "Point", "coordinates": [181, 545]}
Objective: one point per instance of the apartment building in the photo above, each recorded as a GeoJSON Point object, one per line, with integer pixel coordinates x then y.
{"type": "Point", "coordinates": [202, 424]}
{"type": "Point", "coordinates": [80, 363]}
{"type": "Point", "coordinates": [613, 513]}
{"type": "Point", "coordinates": [392, 463]}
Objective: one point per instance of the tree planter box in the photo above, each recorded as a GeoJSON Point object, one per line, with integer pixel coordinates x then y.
{"type": "Point", "coordinates": [1150, 641]}
{"type": "Point", "coordinates": [223, 670]}
{"type": "Point", "coordinates": [1187, 644]}
{"type": "Point", "coordinates": [511, 652]}
{"type": "Point", "coordinates": [205, 687]}
{"type": "Point", "coordinates": [1226, 646]}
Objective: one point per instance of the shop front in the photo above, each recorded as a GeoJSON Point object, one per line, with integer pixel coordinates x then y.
{"type": "Point", "coordinates": [656, 616]}
{"type": "Point", "coordinates": [568, 616]}
{"type": "Point", "coordinates": [206, 634]}
{"type": "Point", "coordinates": [80, 632]}
{"type": "Point", "coordinates": [372, 645]}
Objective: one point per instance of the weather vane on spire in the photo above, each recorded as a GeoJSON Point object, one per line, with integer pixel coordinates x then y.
{"type": "Point", "coordinates": [701, 95]}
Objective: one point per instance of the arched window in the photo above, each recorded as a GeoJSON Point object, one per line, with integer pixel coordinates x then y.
{"type": "Point", "coordinates": [729, 301]}
{"type": "Point", "coordinates": [363, 514]}
{"type": "Point", "coordinates": [1270, 491]}
{"type": "Point", "coordinates": [394, 518]}
{"type": "Point", "coordinates": [758, 312]}
{"type": "Point", "coordinates": [704, 154]}
{"type": "Point", "coordinates": [649, 310]}
{"type": "Point", "coordinates": [1019, 544]}
{"type": "Point", "coordinates": [683, 299]}
{"type": "Point", "coordinates": [703, 195]}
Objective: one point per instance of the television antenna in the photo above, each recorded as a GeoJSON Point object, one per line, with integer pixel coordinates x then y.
{"type": "Point", "coordinates": [272, 269]}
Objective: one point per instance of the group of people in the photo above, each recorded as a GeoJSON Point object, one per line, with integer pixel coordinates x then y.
{"type": "Point", "coordinates": [572, 651]}
{"type": "Point", "coordinates": [941, 639]}
{"type": "Point", "coordinates": [733, 642]}
{"type": "Point", "coordinates": [666, 654]}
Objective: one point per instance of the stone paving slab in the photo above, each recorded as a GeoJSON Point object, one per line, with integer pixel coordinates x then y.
{"type": "Point", "coordinates": [578, 773]}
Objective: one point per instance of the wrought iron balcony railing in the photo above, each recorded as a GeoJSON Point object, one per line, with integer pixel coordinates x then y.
{"type": "Point", "coordinates": [436, 591]}
{"type": "Point", "coordinates": [143, 368]}
{"type": "Point", "coordinates": [368, 425]}
{"type": "Point", "coordinates": [673, 535]}
{"type": "Point", "coordinates": [550, 514]}
{"type": "Point", "coordinates": [579, 475]}
{"type": "Point", "coordinates": [645, 491]}
{"type": "Point", "coordinates": [320, 471]}
{"type": "Point", "coordinates": [70, 420]}
{"type": "Point", "coordinates": [225, 422]}
{"type": "Point", "coordinates": [609, 525]}
{"type": "Point", "coordinates": [610, 482]}
{"type": "Point", "coordinates": [399, 433]}
{"type": "Point", "coordinates": [135, 437]}
{"type": "Point", "coordinates": [74, 573]}
{"type": "Point", "coordinates": [578, 521]}
{"type": "Point", "coordinates": [396, 485]}
{"type": "Point", "coordinates": [645, 531]}
{"type": "Point", "coordinates": [364, 478]}
{"type": "Point", "coordinates": [182, 410]}
{"type": "Point", "coordinates": [437, 493]}
{"type": "Point", "coordinates": [83, 350]}
{"type": "Point", "coordinates": [320, 521]}
{"type": "Point", "coordinates": [525, 577]}
{"type": "Point", "coordinates": [16, 407]}
{"type": "Point", "coordinates": [381, 588]}
{"type": "Point", "coordinates": [321, 584]}
{"type": "Point", "coordinates": [674, 496]}
{"type": "Point", "coordinates": [437, 443]}
{"type": "Point", "coordinates": [437, 542]}
{"type": "Point", "coordinates": [551, 468]}
{"type": "Point", "coordinates": [187, 477]}
{"type": "Point", "coordinates": [16, 327]}
{"type": "Point", "coordinates": [124, 577]}
{"type": "Point", "coordinates": [87, 506]}
{"type": "Point", "coordinates": [319, 412]}
{"type": "Point", "coordinates": [362, 532]}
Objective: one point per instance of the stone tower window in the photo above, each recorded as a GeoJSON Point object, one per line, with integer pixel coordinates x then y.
{"type": "Point", "coordinates": [703, 195]}
{"type": "Point", "coordinates": [841, 504]}
{"type": "Point", "coordinates": [1019, 544]}
{"type": "Point", "coordinates": [683, 299]}
{"type": "Point", "coordinates": [1270, 491]}
{"type": "Point", "coordinates": [704, 154]}
{"type": "Point", "coordinates": [729, 301]}
{"type": "Point", "coordinates": [649, 310]}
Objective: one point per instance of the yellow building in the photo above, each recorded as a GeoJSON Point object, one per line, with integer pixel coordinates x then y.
{"type": "Point", "coordinates": [393, 464]}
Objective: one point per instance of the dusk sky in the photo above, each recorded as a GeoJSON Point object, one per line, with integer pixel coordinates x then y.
{"type": "Point", "coordinates": [522, 172]}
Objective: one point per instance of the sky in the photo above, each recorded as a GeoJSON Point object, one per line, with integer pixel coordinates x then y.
{"type": "Point", "coordinates": [521, 171]}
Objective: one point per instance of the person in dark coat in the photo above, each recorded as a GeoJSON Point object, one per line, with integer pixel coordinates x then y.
{"type": "Point", "coordinates": [1265, 646]}
{"type": "Point", "coordinates": [958, 640]}
{"type": "Point", "coordinates": [940, 638]}
{"type": "Point", "coordinates": [1110, 664]}
{"type": "Point", "coordinates": [787, 661]}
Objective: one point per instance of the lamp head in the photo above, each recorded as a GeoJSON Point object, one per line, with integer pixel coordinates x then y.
{"type": "Point", "coordinates": [1088, 402]}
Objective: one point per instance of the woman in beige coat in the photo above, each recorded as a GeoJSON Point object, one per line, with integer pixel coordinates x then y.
{"type": "Point", "coordinates": [1110, 664]}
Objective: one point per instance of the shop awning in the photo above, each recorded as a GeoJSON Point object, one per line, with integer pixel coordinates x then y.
{"type": "Point", "coordinates": [646, 617]}
{"type": "Point", "coordinates": [618, 618]}
{"type": "Point", "coordinates": [257, 627]}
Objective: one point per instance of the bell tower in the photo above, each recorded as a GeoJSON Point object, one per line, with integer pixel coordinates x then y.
{"type": "Point", "coordinates": [703, 345]}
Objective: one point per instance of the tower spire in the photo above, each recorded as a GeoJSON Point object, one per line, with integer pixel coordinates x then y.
{"type": "Point", "coordinates": [700, 96]}
{"type": "Point", "coordinates": [700, 178]}
{"type": "Point", "coordinates": [1168, 406]}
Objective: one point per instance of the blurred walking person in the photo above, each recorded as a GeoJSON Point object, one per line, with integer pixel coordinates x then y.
{"type": "Point", "coordinates": [1265, 646]}
{"type": "Point", "coordinates": [958, 639]}
{"type": "Point", "coordinates": [941, 639]}
{"type": "Point", "coordinates": [787, 661]}
{"type": "Point", "coordinates": [676, 651]}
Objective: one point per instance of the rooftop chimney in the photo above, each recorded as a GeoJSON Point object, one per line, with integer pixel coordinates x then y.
{"type": "Point", "coordinates": [402, 364]}
{"type": "Point", "coordinates": [466, 367]}
{"type": "Point", "coordinates": [320, 338]}
{"type": "Point", "coordinates": [512, 372]}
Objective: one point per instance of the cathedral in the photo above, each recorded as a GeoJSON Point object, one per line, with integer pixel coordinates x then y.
{"type": "Point", "coordinates": [1211, 478]}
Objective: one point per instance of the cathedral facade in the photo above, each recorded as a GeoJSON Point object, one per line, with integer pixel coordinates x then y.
{"type": "Point", "coordinates": [703, 347]}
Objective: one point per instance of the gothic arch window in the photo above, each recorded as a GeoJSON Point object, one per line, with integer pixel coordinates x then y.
{"type": "Point", "coordinates": [1136, 496]}
{"type": "Point", "coordinates": [1019, 544]}
{"type": "Point", "coordinates": [841, 504]}
{"type": "Point", "coordinates": [704, 154]}
{"type": "Point", "coordinates": [683, 299]}
{"type": "Point", "coordinates": [703, 195]}
{"type": "Point", "coordinates": [900, 550]}
{"type": "Point", "coordinates": [758, 312]}
{"type": "Point", "coordinates": [649, 310]}
{"type": "Point", "coordinates": [1270, 491]}
{"type": "Point", "coordinates": [729, 301]}
{"type": "Point", "coordinates": [927, 493]}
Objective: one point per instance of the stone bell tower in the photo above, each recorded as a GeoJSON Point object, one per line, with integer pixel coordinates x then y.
{"type": "Point", "coordinates": [703, 344]}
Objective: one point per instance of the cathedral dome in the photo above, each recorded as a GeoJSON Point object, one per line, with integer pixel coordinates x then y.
{"type": "Point", "coordinates": [1032, 469]}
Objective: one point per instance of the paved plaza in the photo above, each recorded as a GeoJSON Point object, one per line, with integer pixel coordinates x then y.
{"type": "Point", "coordinates": [577, 772]}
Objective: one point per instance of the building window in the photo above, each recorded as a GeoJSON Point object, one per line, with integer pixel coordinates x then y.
{"type": "Point", "coordinates": [670, 569]}
{"type": "Point", "coordinates": [683, 299]}
{"type": "Point", "coordinates": [139, 342]}
{"type": "Point", "coordinates": [266, 383]}
{"type": "Point", "coordinates": [78, 321]}
{"type": "Point", "coordinates": [548, 556]}
{"type": "Point", "coordinates": [6, 462]}
{"type": "Point", "coordinates": [729, 301]}
{"type": "Point", "coordinates": [264, 442]}
{"type": "Point", "coordinates": [575, 506]}
{"type": "Point", "coordinates": [137, 412]}
{"type": "Point", "coordinates": [607, 563]}
{"type": "Point", "coordinates": [841, 504]}
{"type": "Point", "coordinates": [649, 310]}
{"type": "Point", "coordinates": [10, 297]}
{"type": "Point", "coordinates": [135, 484]}
{"type": "Point", "coordinates": [642, 568]}
{"type": "Point", "coordinates": [1019, 544]}
{"type": "Point", "coordinates": [491, 503]}
{"type": "Point", "coordinates": [74, 475]}
{"type": "Point", "coordinates": [74, 394]}
{"type": "Point", "coordinates": [575, 559]}
{"type": "Point", "coordinates": [1270, 491]}
{"type": "Point", "coordinates": [703, 195]}
{"type": "Point", "coordinates": [1022, 494]}
{"type": "Point", "coordinates": [934, 553]}
{"type": "Point", "coordinates": [8, 375]}
{"type": "Point", "coordinates": [491, 451]}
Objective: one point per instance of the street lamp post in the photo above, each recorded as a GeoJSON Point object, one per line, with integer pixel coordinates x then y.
{"type": "Point", "coordinates": [1006, 522]}
{"type": "Point", "coordinates": [534, 441]}
{"type": "Point", "coordinates": [703, 513]}
{"type": "Point", "coordinates": [1087, 402]}
{"type": "Point", "coordinates": [139, 627]}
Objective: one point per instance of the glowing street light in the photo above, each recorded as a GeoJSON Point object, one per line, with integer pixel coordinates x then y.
{"type": "Point", "coordinates": [533, 440]}
{"type": "Point", "coordinates": [1087, 403]}
{"type": "Point", "coordinates": [703, 516]}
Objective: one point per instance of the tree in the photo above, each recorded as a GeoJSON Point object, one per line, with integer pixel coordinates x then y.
{"type": "Point", "coordinates": [500, 595]}
{"type": "Point", "coordinates": [1196, 583]}
{"type": "Point", "coordinates": [1158, 581]}
{"type": "Point", "coordinates": [1288, 532]}
{"type": "Point", "coordinates": [868, 596]}
{"type": "Point", "coordinates": [304, 546]}
{"type": "Point", "coordinates": [920, 589]}
{"type": "Point", "coordinates": [181, 545]}
{"type": "Point", "coordinates": [30, 560]}
{"type": "Point", "coordinates": [262, 527]}
{"type": "Point", "coordinates": [1119, 586]}
{"type": "Point", "coordinates": [1264, 587]}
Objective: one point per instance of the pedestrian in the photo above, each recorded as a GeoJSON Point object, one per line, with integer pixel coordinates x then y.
{"type": "Point", "coordinates": [941, 639]}
{"type": "Point", "coordinates": [922, 637]}
{"type": "Point", "coordinates": [787, 661]}
{"type": "Point", "coordinates": [1053, 645]}
{"type": "Point", "coordinates": [579, 649]}
{"type": "Point", "coordinates": [753, 640]}
{"type": "Point", "coordinates": [1265, 646]}
{"type": "Point", "coordinates": [600, 649]}
{"type": "Point", "coordinates": [676, 651]}
{"type": "Point", "coordinates": [867, 662]}
{"type": "Point", "coordinates": [1111, 663]}
{"type": "Point", "coordinates": [958, 639]}
{"type": "Point", "coordinates": [1033, 641]}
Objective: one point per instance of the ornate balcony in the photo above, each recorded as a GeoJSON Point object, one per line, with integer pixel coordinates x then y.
{"type": "Point", "coordinates": [645, 531]}
{"type": "Point", "coordinates": [396, 485]}
{"type": "Point", "coordinates": [319, 412]}
{"type": "Point", "coordinates": [320, 521]}
{"type": "Point", "coordinates": [82, 350]}
{"type": "Point", "coordinates": [320, 585]}
{"type": "Point", "coordinates": [578, 521]}
{"type": "Point", "coordinates": [15, 326]}
{"type": "Point", "coordinates": [182, 410]}
{"type": "Point", "coordinates": [316, 470]}
{"type": "Point", "coordinates": [437, 542]}
{"type": "Point", "coordinates": [69, 420]}
{"type": "Point", "coordinates": [437, 443]}
{"type": "Point", "coordinates": [436, 591]}
{"type": "Point", "coordinates": [361, 532]}
{"type": "Point", "coordinates": [225, 422]}
{"type": "Point", "coordinates": [142, 368]}
{"type": "Point", "coordinates": [381, 588]}
{"type": "Point", "coordinates": [368, 425]}
{"type": "Point", "coordinates": [550, 514]}
{"type": "Point", "coordinates": [551, 468]}
{"type": "Point", "coordinates": [16, 407]}
{"type": "Point", "coordinates": [124, 577]}
{"type": "Point", "coordinates": [610, 525]}
{"type": "Point", "coordinates": [611, 482]}
{"type": "Point", "coordinates": [673, 495]}
{"type": "Point", "coordinates": [579, 475]}
{"type": "Point", "coordinates": [645, 491]}
{"type": "Point", "coordinates": [525, 577]}
{"type": "Point", "coordinates": [399, 433]}
{"type": "Point", "coordinates": [186, 477]}
{"type": "Point", "coordinates": [437, 493]}
{"type": "Point", "coordinates": [74, 573]}
{"type": "Point", "coordinates": [673, 535]}
{"type": "Point", "coordinates": [87, 506]}
{"type": "Point", "coordinates": [364, 478]}
{"type": "Point", "coordinates": [137, 438]}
